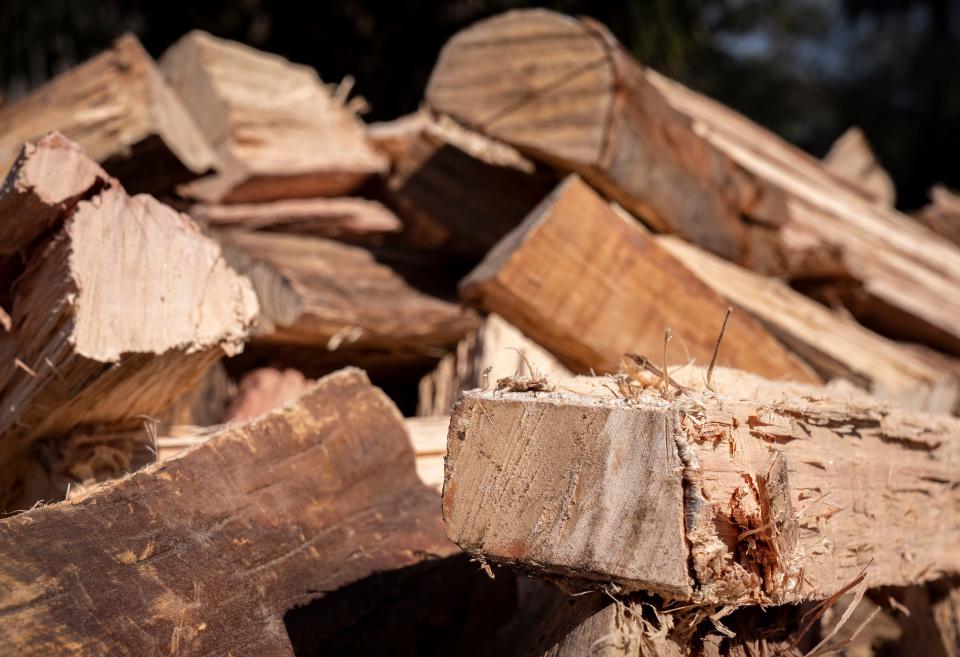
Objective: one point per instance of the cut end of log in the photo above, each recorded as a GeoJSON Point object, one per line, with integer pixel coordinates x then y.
{"type": "Point", "coordinates": [534, 64]}
{"type": "Point", "coordinates": [708, 498]}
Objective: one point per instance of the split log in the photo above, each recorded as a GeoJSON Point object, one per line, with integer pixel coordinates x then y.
{"type": "Point", "coordinates": [589, 284]}
{"type": "Point", "coordinates": [115, 315]}
{"type": "Point", "coordinates": [851, 158]}
{"type": "Point", "coordinates": [752, 495]}
{"type": "Point", "coordinates": [119, 108]}
{"type": "Point", "coordinates": [278, 131]}
{"type": "Point", "coordinates": [942, 215]}
{"type": "Point", "coordinates": [835, 346]}
{"type": "Point", "coordinates": [494, 351]}
{"type": "Point", "coordinates": [339, 218]}
{"type": "Point", "coordinates": [208, 551]}
{"type": "Point", "coordinates": [563, 90]}
{"type": "Point", "coordinates": [337, 298]}
{"type": "Point", "coordinates": [458, 188]}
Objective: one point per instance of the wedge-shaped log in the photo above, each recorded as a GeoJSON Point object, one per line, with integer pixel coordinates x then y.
{"type": "Point", "coordinates": [835, 346]}
{"type": "Point", "coordinates": [203, 554]}
{"type": "Point", "coordinates": [563, 89]}
{"type": "Point", "coordinates": [117, 312]}
{"type": "Point", "coordinates": [122, 112]}
{"type": "Point", "coordinates": [278, 131]}
{"type": "Point", "coordinates": [780, 496]}
{"type": "Point", "coordinates": [589, 284]}
{"type": "Point", "coordinates": [320, 293]}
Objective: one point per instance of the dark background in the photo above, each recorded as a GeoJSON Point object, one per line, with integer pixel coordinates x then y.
{"type": "Point", "coordinates": [807, 69]}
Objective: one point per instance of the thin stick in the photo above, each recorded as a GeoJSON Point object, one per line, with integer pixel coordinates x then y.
{"type": "Point", "coordinates": [716, 350]}
{"type": "Point", "coordinates": [667, 334]}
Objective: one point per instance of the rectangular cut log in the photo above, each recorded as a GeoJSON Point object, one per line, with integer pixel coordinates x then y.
{"type": "Point", "coordinates": [323, 294]}
{"type": "Point", "coordinates": [204, 553]}
{"type": "Point", "coordinates": [493, 351]}
{"type": "Point", "coordinates": [278, 131]}
{"type": "Point", "coordinates": [116, 314]}
{"type": "Point", "coordinates": [563, 90]}
{"type": "Point", "coordinates": [835, 346]}
{"type": "Point", "coordinates": [589, 284]}
{"type": "Point", "coordinates": [119, 108]}
{"type": "Point", "coordinates": [339, 218]}
{"type": "Point", "coordinates": [757, 494]}
{"type": "Point", "coordinates": [456, 187]}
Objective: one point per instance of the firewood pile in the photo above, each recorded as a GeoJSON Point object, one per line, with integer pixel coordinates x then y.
{"type": "Point", "coordinates": [671, 385]}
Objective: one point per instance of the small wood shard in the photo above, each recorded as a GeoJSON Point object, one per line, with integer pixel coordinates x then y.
{"type": "Point", "coordinates": [340, 218]}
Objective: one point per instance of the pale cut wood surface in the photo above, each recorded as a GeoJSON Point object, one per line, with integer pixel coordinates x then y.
{"type": "Point", "coordinates": [589, 284]}
{"type": "Point", "coordinates": [343, 218]}
{"type": "Point", "coordinates": [835, 346]}
{"type": "Point", "coordinates": [333, 296]}
{"type": "Point", "coordinates": [753, 495]}
{"type": "Point", "coordinates": [563, 90]}
{"type": "Point", "coordinates": [278, 131]}
{"type": "Point", "coordinates": [496, 345]}
{"type": "Point", "coordinates": [851, 158]}
{"type": "Point", "coordinates": [115, 315]}
{"type": "Point", "coordinates": [120, 110]}
{"type": "Point", "coordinates": [207, 551]}
{"type": "Point", "coordinates": [44, 184]}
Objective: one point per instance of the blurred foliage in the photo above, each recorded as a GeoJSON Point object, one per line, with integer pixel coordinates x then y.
{"type": "Point", "coordinates": [805, 68]}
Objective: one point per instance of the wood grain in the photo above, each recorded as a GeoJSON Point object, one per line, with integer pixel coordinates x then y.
{"type": "Point", "coordinates": [834, 345]}
{"type": "Point", "coordinates": [563, 90]}
{"type": "Point", "coordinates": [589, 284]}
{"type": "Point", "coordinates": [277, 130]}
{"type": "Point", "coordinates": [116, 314]}
{"type": "Point", "coordinates": [754, 495]}
{"type": "Point", "coordinates": [339, 218]}
{"type": "Point", "coordinates": [203, 554]}
{"type": "Point", "coordinates": [334, 297]}
{"type": "Point", "coordinates": [120, 110]}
